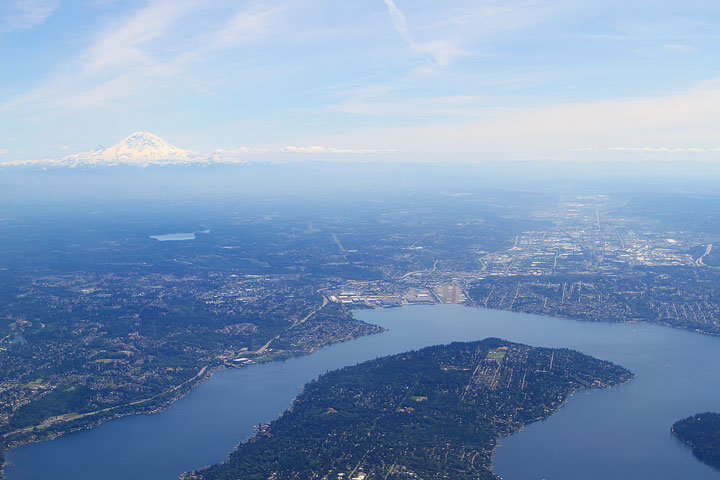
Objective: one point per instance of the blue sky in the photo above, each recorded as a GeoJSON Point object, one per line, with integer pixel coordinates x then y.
{"type": "Point", "coordinates": [478, 80]}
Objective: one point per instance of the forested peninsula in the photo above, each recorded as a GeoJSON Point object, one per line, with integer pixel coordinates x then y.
{"type": "Point", "coordinates": [702, 433]}
{"type": "Point", "coordinates": [433, 413]}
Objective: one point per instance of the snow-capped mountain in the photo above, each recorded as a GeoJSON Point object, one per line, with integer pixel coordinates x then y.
{"type": "Point", "coordinates": [139, 149]}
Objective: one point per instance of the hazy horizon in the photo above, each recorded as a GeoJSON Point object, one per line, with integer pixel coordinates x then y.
{"type": "Point", "coordinates": [380, 81]}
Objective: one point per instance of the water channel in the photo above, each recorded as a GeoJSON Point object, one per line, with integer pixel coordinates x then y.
{"type": "Point", "coordinates": [619, 433]}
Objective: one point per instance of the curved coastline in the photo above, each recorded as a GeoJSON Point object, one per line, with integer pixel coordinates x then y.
{"type": "Point", "coordinates": [411, 328]}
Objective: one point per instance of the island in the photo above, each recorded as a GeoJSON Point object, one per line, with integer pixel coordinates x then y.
{"type": "Point", "coordinates": [702, 433]}
{"type": "Point", "coordinates": [433, 413]}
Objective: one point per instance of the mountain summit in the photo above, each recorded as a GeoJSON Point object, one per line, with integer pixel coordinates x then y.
{"type": "Point", "coordinates": [139, 149]}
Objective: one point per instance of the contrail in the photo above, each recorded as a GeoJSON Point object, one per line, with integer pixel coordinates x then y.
{"type": "Point", "coordinates": [398, 19]}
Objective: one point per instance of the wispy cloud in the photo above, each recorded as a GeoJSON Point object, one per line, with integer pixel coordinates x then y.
{"type": "Point", "coordinates": [243, 150]}
{"type": "Point", "coordinates": [662, 149]}
{"type": "Point", "coordinates": [398, 19]}
{"type": "Point", "coordinates": [438, 53]}
{"type": "Point", "coordinates": [25, 14]}
{"type": "Point", "coordinates": [460, 105]}
{"type": "Point", "coordinates": [687, 119]}
{"type": "Point", "coordinates": [242, 154]}
{"type": "Point", "coordinates": [3, 151]}
{"type": "Point", "coordinates": [319, 149]}
{"type": "Point", "coordinates": [122, 47]}
{"type": "Point", "coordinates": [481, 79]}
{"type": "Point", "coordinates": [132, 55]}
{"type": "Point", "coordinates": [245, 27]}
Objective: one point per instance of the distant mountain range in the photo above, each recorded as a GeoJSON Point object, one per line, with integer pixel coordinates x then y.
{"type": "Point", "coordinates": [144, 149]}
{"type": "Point", "coordinates": [141, 149]}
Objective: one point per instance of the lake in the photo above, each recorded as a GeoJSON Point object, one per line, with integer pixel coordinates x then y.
{"type": "Point", "coordinates": [619, 433]}
{"type": "Point", "coordinates": [174, 237]}
{"type": "Point", "coordinates": [177, 237]}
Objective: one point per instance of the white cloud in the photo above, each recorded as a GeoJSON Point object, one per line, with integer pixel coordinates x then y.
{"type": "Point", "coordinates": [151, 59]}
{"type": "Point", "coordinates": [645, 149]}
{"type": "Point", "coordinates": [64, 147]}
{"type": "Point", "coordinates": [662, 149]}
{"type": "Point", "coordinates": [132, 55]}
{"type": "Point", "coordinates": [243, 150]}
{"type": "Point", "coordinates": [122, 47]}
{"type": "Point", "coordinates": [438, 53]}
{"type": "Point", "coordinates": [681, 48]}
{"type": "Point", "coordinates": [361, 103]}
{"type": "Point", "coordinates": [245, 27]}
{"type": "Point", "coordinates": [3, 151]}
{"type": "Point", "coordinates": [112, 66]}
{"type": "Point", "coordinates": [25, 14]}
{"type": "Point", "coordinates": [320, 149]}
{"type": "Point", "coordinates": [666, 125]}
{"type": "Point", "coordinates": [241, 154]}
{"type": "Point", "coordinates": [399, 21]}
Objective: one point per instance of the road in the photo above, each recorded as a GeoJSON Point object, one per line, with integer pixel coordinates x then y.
{"type": "Point", "coordinates": [416, 272]}
{"type": "Point", "coordinates": [74, 415]}
{"type": "Point", "coordinates": [708, 249]}
{"type": "Point", "coordinates": [262, 349]}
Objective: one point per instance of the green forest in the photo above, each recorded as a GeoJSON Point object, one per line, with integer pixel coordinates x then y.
{"type": "Point", "coordinates": [433, 413]}
{"type": "Point", "coordinates": [702, 432]}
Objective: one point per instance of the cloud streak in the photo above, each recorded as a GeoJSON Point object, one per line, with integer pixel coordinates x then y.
{"type": "Point", "coordinates": [481, 79]}
{"type": "Point", "coordinates": [663, 149]}
{"type": "Point", "coordinates": [636, 125]}
{"type": "Point", "coordinates": [243, 150]}
{"type": "Point", "coordinates": [134, 56]}
{"type": "Point", "coordinates": [121, 48]}
{"type": "Point", "coordinates": [439, 53]}
{"type": "Point", "coordinates": [245, 27]}
{"type": "Point", "coordinates": [25, 14]}
{"type": "Point", "coordinates": [317, 149]}
{"type": "Point", "coordinates": [400, 22]}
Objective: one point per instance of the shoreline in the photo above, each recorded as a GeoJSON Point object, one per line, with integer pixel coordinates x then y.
{"type": "Point", "coordinates": [285, 355]}
{"type": "Point", "coordinates": [498, 443]}
{"type": "Point", "coordinates": [181, 391]}
{"type": "Point", "coordinates": [470, 303]}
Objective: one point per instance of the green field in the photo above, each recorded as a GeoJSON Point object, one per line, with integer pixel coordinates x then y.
{"type": "Point", "coordinates": [495, 355]}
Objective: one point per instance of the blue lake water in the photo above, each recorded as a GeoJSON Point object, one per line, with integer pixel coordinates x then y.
{"type": "Point", "coordinates": [177, 237]}
{"type": "Point", "coordinates": [618, 433]}
{"type": "Point", "coordinates": [174, 237]}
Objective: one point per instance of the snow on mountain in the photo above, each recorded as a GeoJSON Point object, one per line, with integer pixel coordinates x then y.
{"type": "Point", "coordinates": [140, 149]}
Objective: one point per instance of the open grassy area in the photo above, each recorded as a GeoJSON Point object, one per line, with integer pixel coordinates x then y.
{"type": "Point", "coordinates": [496, 354]}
